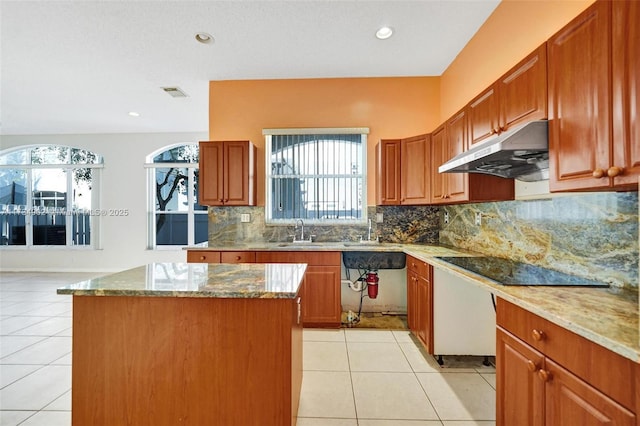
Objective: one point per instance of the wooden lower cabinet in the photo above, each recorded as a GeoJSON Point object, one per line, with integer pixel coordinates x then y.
{"type": "Point", "coordinates": [547, 375]}
{"type": "Point", "coordinates": [320, 293]}
{"type": "Point", "coordinates": [420, 301]}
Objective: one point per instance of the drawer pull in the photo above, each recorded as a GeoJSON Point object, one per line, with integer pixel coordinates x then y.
{"type": "Point", "coordinates": [544, 375]}
{"type": "Point", "coordinates": [238, 257]}
{"type": "Point", "coordinates": [538, 335]}
{"type": "Point", "coordinates": [531, 366]}
{"type": "Point", "coordinates": [203, 257]}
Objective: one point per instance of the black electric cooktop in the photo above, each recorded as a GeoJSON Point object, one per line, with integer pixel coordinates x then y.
{"type": "Point", "coordinates": [509, 272]}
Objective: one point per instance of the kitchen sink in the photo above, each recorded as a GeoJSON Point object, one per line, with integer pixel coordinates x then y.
{"type": "Point", "coordinates": [362, 243]}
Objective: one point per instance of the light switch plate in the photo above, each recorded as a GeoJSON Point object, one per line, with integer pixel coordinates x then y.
{"type": "Point", "coordinates": [245, 218]}
{"type": "Point", "coordinates": [446, 218]}
{"type": "Point", "coordinates": [379, 217]}
{"type": "Point", "coordinates": [478, 218]}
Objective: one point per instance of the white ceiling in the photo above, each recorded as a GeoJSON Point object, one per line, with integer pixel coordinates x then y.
{"type": "Point", "coordinates": [81, 66]}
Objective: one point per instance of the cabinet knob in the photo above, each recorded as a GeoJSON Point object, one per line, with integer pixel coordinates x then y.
{"type": "Point", "coordinates": [203, 257]}
{"type": "Point", "coordinates": [221, 200]}
{"type": "Point", "coordinates": [537, 335]}
{"type": "Point", "coordinates": [238, 257]}
{"type": "Point", "coordinates": [598, 173]}
{"type": "Point", "coordinates": [531, 366]}
{"type": "Point", "coordinates": [544, 375]}
{"type": "Point", "coordinates": [614, 171]}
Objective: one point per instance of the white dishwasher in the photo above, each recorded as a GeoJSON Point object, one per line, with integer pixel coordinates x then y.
{"type": "Point", "coordinates": [464, 319]}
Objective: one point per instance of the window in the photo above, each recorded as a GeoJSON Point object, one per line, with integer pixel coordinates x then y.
{"type": "Point", "coordinates": [175, 218]}
{"type": "Point", "coordinates": [316, 174]}
{"type": "Point", "coordinates": [48, 196]}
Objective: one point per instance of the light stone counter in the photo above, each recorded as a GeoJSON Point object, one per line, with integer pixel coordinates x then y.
{"type": "Point", "coordinates": [263, 281]}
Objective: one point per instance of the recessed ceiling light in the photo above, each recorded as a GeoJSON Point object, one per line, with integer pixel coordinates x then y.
{"type": "Point", "coordinates": [384, 33]}
{"type": "Point", "coordinates": [134, 114]}
{"type": "Point", "coordinates": [204, 38]}
{"type": "Point", "coordinates": [175, 92]}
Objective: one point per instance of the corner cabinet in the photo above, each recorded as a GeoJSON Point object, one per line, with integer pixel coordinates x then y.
{"type": "Point", "coordinates": [593, 100]}
{"type": "Point", "coordinates": [403, 171]}
{"type": "Point", "coordinates": [227, 173]}
{"type": "Point", "coordinates": [547, 375]}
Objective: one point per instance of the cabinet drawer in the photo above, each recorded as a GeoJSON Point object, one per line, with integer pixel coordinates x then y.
{"type": "Point", "coordinates": [600, 367]}
{"type": "Point", "coordinates": [237, 257]}
{"type": "Point", "coordinates": [203, 256]}
{"type": "Point", "coordinates": [311, 258]}
{"type": "Point", "coordinates": [418, 266]}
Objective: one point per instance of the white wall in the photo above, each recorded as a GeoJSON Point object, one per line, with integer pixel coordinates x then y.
{"type": "Point", "coordinates": [123, 186]}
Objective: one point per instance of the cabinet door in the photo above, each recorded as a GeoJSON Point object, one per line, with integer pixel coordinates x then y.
{"type": "Point", "coordinates": [424, 306]}
{"type": "Point", "coordinates": [412, 282]}
{"type": "Point", "coordinates": [522, 91]}
{"type": "Point", "coordinates": [573, 402]}
{"type": "Point", "coordinates": [483, 115]}
{"type": "Point", "coordinates": [321, 296]}
{"type": "Point", "coordinates": [415, 183]}
{"type": "Point", "coordinates": [626, 87]}
{"type": "Point", "coordinates": [388, 172]}
{"type": "Point", "coordinates": [238, 173]}
{"type": "Point", "coordinates": [457, 183]}
{"type": "Point", "coordinates": [211, 176]}
{"type": "Point", "coordinates": [579, 101]}
{"type": "Point", "coordinates": [439, 153]}
{"type": "Point", "coordinates": [519, 390]}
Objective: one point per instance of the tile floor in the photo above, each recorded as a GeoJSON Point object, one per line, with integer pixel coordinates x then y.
{"type": "Point", "coordinates": [352, 377]}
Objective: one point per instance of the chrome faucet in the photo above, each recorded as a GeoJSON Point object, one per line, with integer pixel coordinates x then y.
{"type": "Point", "coordinates": [369, 231]}
{"type": "Point", "coordinates": [301, 230]}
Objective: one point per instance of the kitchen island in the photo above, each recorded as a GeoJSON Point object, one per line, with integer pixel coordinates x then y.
{"type": "Point", "coordinates": [188, 344]}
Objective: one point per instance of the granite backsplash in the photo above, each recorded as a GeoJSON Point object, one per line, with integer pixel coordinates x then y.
{"type": "Point", "coordinates": [589, 235]}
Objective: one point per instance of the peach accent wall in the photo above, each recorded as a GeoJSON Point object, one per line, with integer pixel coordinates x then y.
{"type": "Point", "coordinates": [390, 107]}
{"type": "Point", "coordinates": [514, 29]}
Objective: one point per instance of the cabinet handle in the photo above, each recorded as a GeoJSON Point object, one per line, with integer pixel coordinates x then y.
{"type": "Point", "coordinates": [203, 257]}
{"type": "Point", "coordinates": [531, 366]}
{"type": "Point", "coordinates": [299, 310]}
{"type": "Point", "coordinates": [614, 171]}
{"type": "Point", "coordinates": [221, 200]}
{"type": "Point", "coordinates": [598, 173]}
{"type": "Point", "coordinates": [544, 375]}
{"type": "Point", "coordinates": [538, 335]}
{"type": "Point", "coordinates": [238, 257]}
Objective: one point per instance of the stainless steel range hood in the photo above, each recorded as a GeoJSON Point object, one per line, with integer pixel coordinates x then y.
{"type": "Point", "coordinates": [521, 153]}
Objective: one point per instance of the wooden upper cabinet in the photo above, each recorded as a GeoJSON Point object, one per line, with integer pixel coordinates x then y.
{"type": "Point", "coordinates": [580, 102]}
{"type": "Point", "coordinates": [626, 84]}
{"type": "Point", "coordinates": [415, 166]}
{"type": "Point", "coordinates": [388, 172]}
{"type": "Point", "coordinates": [522, 91]}
{"type": "Point", "coordinates": [456, 137]}
{"type": "Point", "coordinates": [227, 173]}
{"type": "Point", "coordinates": [439, 155]}
{"type": "Point", "coordinates": [483, 115]}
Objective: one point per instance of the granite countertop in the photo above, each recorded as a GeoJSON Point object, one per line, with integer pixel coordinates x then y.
{"type": "Point", "coordinates": [608, 317]}
{"type": "Point", "coordinates": [248, 280]}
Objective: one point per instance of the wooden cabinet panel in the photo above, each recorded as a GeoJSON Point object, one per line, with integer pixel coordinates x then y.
{"type": "Point", "coordinates": [522, 91]}
{"type": "Point", "coordinates": [227, 173]}
{"type": "Point", "coordinates": [415, 166]}
{"type": "Point", "coordinates": [439, 156]}
{"type": "Point", "coordinates": [579, 101]}
{"type": "Point", "coordinates": [388, 172]}
{"type": "Point", "coordinates": [483, 115]}
{"type": "Point", "coordinates": [203, 256]}
{"type": "Point", "coordinates": [626, 88]}
{"type": "Point", "coordinates": [457, 183]}
{"type": "Point", "coordinates": [237, 257]}
{"type": "Point", "coordinates": [519, 391]}
{"type": "Point", "coordinates": [570, 401]}
{"type": "Point", "coordinates": [420, 301]}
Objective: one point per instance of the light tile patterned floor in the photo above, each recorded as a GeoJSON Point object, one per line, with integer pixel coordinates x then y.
{"type": "Point", "coordinates": [351, 378]}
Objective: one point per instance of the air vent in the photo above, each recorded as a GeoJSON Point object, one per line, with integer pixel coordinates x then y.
{"type": "Point", "coordinates": [175, 92]}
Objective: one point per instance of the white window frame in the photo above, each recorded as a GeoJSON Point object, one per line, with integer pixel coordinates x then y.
{"type": "Point", "coordinates": [95, 212]}
{"type": "Point", "coordinates": [151, 199]}
{"type": "Point", "coordinates": [268, 133]}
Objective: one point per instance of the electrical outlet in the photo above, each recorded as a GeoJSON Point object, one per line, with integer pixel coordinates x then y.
{"type": "Point", "coordinates": [446, 218]}
{"type": "Point", "coordinates": [478, 218]}
{"type": "Point", "coordinates": [379, 217]}
{"type": "Point", "coordinates": [245, 218]}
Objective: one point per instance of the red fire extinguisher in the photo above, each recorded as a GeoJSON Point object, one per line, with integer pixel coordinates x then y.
{"type": "Point", "coordinates": [372, 284]}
